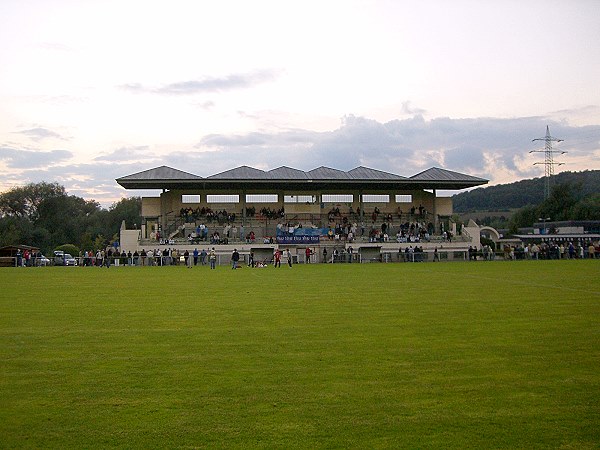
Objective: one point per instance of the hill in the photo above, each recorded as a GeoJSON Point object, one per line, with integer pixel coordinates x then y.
{"type": "Point", "coordinates": [524, 192]}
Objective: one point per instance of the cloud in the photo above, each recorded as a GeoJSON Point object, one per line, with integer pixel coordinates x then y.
{"type": "Point", "coordinates": [122, 154]}
{"type": "Point", "coordinates": [38, 133]}
{"type": "Point", "coordinates": [407, 108]}
{"type": "Point", "coordinates": [493, 148]}
{"type": "Point", "coordinates": [27, 159]}
{"type": "Point", "coordinates": [208, 84]}
{"type": "Point", "coordinates": [479, 146]}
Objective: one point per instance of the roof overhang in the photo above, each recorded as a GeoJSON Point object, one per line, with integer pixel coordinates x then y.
{"type": "Point", "coordinates": [321, 179]}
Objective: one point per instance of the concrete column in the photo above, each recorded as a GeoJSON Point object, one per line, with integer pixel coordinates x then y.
{"type": "Point", "coordinates": [163, 211]}
{"type": "Point", "coordinates": [436, 221]}
{"type": "Point", "coordinates": [362, 206]}
{"type": "Point", "coordinates": [243, 207]}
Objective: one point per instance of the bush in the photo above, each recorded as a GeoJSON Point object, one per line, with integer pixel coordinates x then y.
{"type": "Point", "coordinates": [68, 248]}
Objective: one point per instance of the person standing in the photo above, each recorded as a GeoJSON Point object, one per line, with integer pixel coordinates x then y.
{"type": "Point", "coordinates": [235, 257]}
{"type": "Point", "coordinates": [277, 258]}
{"type": "Point", "coordinates": [325, 255]}
{"type": "Point", "coordinates": [288, 254]}
{"type": "Point", "coordinates": [212, 258]}
{"type": "Point", "coordinates": [307, 252]}
{"type": "Point", "coordinates": [195, 256]}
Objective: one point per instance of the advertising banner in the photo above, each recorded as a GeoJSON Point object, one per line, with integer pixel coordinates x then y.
{"type": "Point", "coordinates": [298, 239]}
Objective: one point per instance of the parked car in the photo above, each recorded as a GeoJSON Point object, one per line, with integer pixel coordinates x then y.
{"type": "Point", "coordinates": [41, 260]}
{"type": "Point", "coordinates": [64, 259]}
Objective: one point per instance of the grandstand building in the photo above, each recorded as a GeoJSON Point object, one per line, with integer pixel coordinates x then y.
{"type": "Point", "coordinates": [370, 210]}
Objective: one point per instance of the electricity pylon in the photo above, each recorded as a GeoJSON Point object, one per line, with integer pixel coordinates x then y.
{"type": "Point", "coordinates": [549, 162]}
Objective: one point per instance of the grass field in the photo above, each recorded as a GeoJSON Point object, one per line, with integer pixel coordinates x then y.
{"type": "Point", "coordinates": [450, 355]}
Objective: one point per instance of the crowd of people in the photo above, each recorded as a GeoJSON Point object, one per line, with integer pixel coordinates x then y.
{"type": "Point", "coordinates": [345, 225]}
{"type": "Point", "coordinates": [191, 215]}
{"type": "Point", "coordinates": [552, 250]}
{"type": "Point", "coordinates": [150, 257]}
{"type": "Point", "coordinates": [28, 258]}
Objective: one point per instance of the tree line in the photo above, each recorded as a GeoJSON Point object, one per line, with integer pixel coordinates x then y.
{"type": "Point", "coordinates": [43, 215]}
{"type": "Point", "coordinates": [566, 202]}
{"type": "Point", "coordinates": [525, 193]}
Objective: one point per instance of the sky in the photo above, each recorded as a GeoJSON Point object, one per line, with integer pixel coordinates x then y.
{"type": "Point", "coordinates": [94, 90]}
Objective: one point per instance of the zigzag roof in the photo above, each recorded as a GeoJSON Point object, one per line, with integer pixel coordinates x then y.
{"type": "Point", "coordinates": [164, 177]}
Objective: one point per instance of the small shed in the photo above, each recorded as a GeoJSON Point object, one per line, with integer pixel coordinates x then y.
{"type": "Point", "coordinates": [8, 253]}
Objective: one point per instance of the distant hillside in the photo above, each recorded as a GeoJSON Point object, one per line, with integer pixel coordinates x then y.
{"type": "Point", "coordinates": [523, 193]}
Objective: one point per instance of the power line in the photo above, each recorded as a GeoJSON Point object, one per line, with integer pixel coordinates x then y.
{"type": "Point", "coordinates": [549, 162]}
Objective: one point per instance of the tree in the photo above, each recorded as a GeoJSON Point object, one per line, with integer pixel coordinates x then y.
{"type": "Point", "coordinates": [25, 201]}
{"type": "Point", "coordinates": [45, 216]}
{"type": "Point", "coordinates": [565, 203]}
{"type": "Point", "coordinates": [127, 209]}
{"type": "Point", "coordinates": [563, 198]}
{"type": "Point", "coordinates": [15, 230]}
{"type": "Point", "coordinates": [524, 217]}
{"type": "Point", "coordinates": [587, 209]}
{"type": "Point", "coordinates": [66, 217]}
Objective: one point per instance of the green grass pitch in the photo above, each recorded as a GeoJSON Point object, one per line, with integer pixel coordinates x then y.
{"type": "Point", "coordinates": [450, 355]}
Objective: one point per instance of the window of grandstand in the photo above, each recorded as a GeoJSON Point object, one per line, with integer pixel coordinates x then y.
{"type": "Point", "coordinates": [222, 198]}
{"type": "Point", "coordinates": [373, 198]}
{"type": "Point", "coordinates": [404, 198]}
{"type": "Point", "coordinates": [299, 199]}
{"type": "Point", "coordinates": [190, 199]}
{"type": "Point", "coordinates": [262, 198]}
{"type": "Point", "coordinates": [337, 198]}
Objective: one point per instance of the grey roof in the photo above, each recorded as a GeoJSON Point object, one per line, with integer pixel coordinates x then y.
{"type": "Point", "coordinates": [287, 173]}
{"type": "Point", "coordinates": [161, 173]}
{"type": "Point", "coordinates": [365, 173]}
{"type": "Point", "coordinates": [242, 173]}
{"type": "Point", "coordinates": [327, 173]}
{"type": "Point", "coordinates": [288, 178]}
{"type": "Point", "coordinates": [437, 174]}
